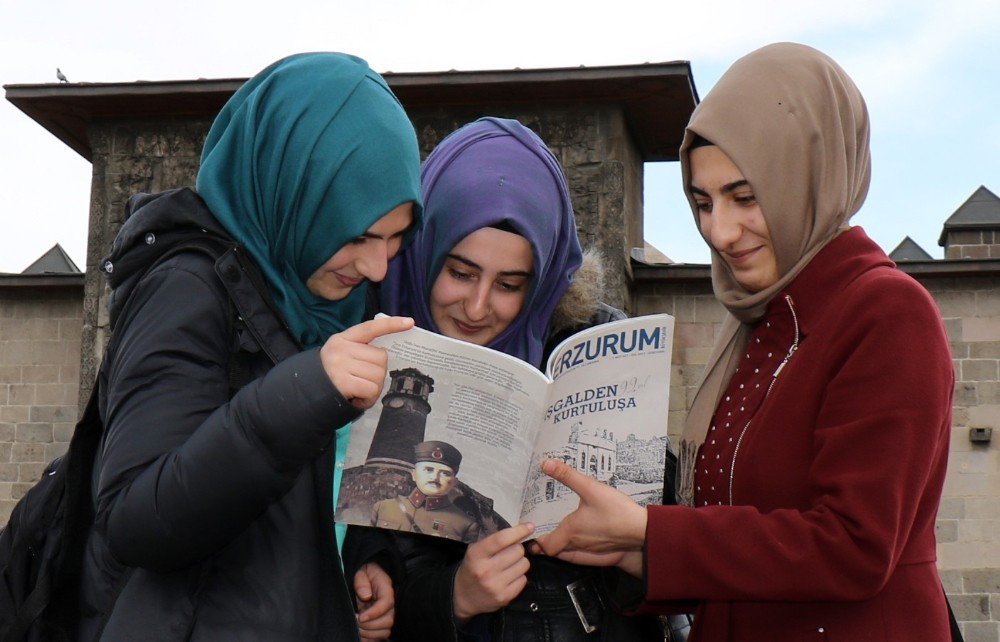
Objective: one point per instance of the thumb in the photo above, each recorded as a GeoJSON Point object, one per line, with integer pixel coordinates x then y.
{"type": "Point", "coordinates": [362, 586]}
{"type": "Point", "coordinates": [369, 330]}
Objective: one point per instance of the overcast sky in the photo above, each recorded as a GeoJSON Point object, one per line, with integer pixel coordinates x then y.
{"type": "Point", "coordinates": [930, 72]}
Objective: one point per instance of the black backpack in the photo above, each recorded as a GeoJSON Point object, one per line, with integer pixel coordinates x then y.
{"type": "Point", "coordinates": [42, 546]}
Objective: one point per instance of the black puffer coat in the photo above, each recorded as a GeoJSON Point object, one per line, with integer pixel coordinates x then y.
{"type": "Point", "coordinates": [214, 514]}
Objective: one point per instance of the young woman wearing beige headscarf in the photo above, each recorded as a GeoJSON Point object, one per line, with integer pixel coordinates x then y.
{"type": "Point", "coordinates": [815, 448]}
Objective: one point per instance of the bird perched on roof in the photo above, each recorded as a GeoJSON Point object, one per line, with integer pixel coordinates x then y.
{"type": "Point", "coordinates": [61, 76]}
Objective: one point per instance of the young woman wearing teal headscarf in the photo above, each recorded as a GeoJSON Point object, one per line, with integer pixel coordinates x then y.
{"type": "Point", "coordinates": [214, 510]}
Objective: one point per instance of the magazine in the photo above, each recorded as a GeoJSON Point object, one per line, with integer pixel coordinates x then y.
{"type": "Point", "coordinates": [453, 447]}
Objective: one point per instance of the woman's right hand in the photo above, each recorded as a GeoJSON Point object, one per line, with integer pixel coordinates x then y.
{"type": "Point", "coordinates": [492, 573]}
{"type": "Point", "coordinates": [355, 368]}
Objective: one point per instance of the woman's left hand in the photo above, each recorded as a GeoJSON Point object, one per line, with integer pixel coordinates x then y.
{"type": "Point", "coordinates": [376, 602]}
{"type": "Point", "coordinates": [607, 520]}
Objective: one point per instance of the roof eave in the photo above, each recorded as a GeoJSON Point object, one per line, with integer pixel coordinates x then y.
{"type": "Point", "coordinates": [658, 98]}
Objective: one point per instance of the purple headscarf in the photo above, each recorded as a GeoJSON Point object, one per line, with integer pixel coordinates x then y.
{"type": "Point", "coordinates": [490, 172]}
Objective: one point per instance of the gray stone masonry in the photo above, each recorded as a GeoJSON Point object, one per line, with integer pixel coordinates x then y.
{"type": "Point", "coordinates": [39, 382]}
{"type": "Point", "coordinates": [973, 244]}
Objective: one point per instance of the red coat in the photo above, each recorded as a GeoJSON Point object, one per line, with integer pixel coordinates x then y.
{"type": "Point", "coordinates": [831, 536]}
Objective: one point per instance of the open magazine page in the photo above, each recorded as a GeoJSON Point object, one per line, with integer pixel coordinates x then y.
{"type": "Point", "coordinates": [606, 415]}
{"type": "Point", "coordinates": [446, 448]}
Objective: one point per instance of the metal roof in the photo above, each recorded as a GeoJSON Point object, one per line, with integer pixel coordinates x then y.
{"type": "Point", "coordinates": [55, 261]}
{"type": "Point", "coordinates": [981, 211]}
{"type": "Point", "coordinates": [909, 250]}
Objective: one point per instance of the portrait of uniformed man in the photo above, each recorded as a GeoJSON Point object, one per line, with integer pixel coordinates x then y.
{"type": "Point", "coordinates": [431, 508]}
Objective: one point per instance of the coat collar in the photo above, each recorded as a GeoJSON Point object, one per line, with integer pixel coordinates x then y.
{"type": "Point", "coordinates": [832, 270]}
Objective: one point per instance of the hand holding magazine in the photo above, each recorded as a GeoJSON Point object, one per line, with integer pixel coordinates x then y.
{"type": "Point", "coordinates": [453, 446]}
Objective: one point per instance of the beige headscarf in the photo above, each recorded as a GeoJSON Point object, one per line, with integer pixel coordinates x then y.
{"type": "Point", "coordinates": [797, 127]}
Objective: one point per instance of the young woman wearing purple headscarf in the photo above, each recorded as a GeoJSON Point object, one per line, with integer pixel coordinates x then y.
{"type": "Point", "coordinates": [497, 263]}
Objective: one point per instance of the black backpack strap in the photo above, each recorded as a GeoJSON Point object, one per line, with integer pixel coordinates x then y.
{"type": "Point", "coordinates": [255, 309]}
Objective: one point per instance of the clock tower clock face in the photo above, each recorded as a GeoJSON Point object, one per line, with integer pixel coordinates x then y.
{"type": "Point", "coordinates": [395, 402]}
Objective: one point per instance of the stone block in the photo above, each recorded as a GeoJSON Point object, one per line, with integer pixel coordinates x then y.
{"type": "Point", "coordinates": [696, 356]}
{"type": "Point", "coordinates": [975, 252]}
{"type": "Point", "coordinates": [977, 484]}
{"type": "Point", "coordinates": [6, 508]}
{"type": "Point", "coordinates": [959, 350]}
{"type": "Point", "coordinates": [952, 508]}
{"type": "Point", "coordinates": [975, 530]}
{"type": "Point", "coordinates": [16, 353]}
{"type": "Point", "coordinates": [985, 349]}
{"type": "Point", "coordinates": [5, 491]}
{"type": "Point", "coordinates": [953, 328]}
{"type": "Point", "coordinates": [21, 394]}
{"type": "Point", "coordinates": [62, 432]}
{"type": "Point", "coordinates": [69, 374]}
{"type": "Point", "coordinates": [37, 433]}
{"type": "Point", "coordinates": [8, 472]}
{"type": "Point", "coordinates": [952, 581]}
{"type": "Point", "coordinates": [965, 237]}
{"type": "Point", "coordinates": [42, 329]}
{"type": "Point", "coordinates": [946, 530]}
{"type": "Point", "coordinates": [7, 432]}
{"type": "Point", "coordinates": [19, 489]}
{"type": "Point", "coordinates": [27, 453]}
{"type": "Point", "coordinates": [983, 507]}
{"type": "Point", "coordinates": [956, 303]}
{"type": "Point", "coordinates": [70, 329]}
{"type": "Point", "coordinates": [53, 414]}
{"type": "Point", "coordinates": [988, 392]}
{"type": "Point", "coordinates": [48, 352]}
{"type": "Point", "coordinates": [965, 394]}
{"type": "Point", "coordinates": [978, 460]}
{"type": "Point", "coordinates": [982, 580]}
{"type": "Point", "coordinates": [971, 608]}
{"type": "Point", "coordinates": [31, 473]}
{"type": "Point", "coordinates": [678, 398]}
{"type": "Point", "coordinates": [9, 374]}
{"type": "Point", "coordinates": [12, 329]}
{"type": "Point", "coordinates": [675, 423]}
{"type": "Point", "coordinates": [981, 631]}
{"type": "Point", "coordinates": [984, 416]}
{"type": "Point", "coordinates": [683, 308]}
{"type": "Point", "coordinates": [708, 310]}
{"type": "Point", "coordinates": [48, 394]}
{"type": "Point", "coordinates": [693, 335]}
{"type": "Point", "coordinates": [54, 450]}
{"type": "Point", "coordinates": [39, 374]}
{"type": "Point", "coordinates": [14, 414]}
{"type": "Point", "coordinates": [5, 450]}
{"type": "Point", "coordinates": [981, 329]}
{"type": "Point", "coordinates": [979, 370]}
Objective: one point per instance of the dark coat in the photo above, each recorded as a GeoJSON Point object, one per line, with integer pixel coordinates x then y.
{"type": "Point", "coordinates": [215, 512]}
{"type": "Point", "coordinates": [543, 612]}
{"type": "Point", "coordinates": [836, 490]}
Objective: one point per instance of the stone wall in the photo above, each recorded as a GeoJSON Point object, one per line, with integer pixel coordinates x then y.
{"type": "Point", "coordinates": [973, 244]}
{"type": "Point", "coordinates": [968, 527]}
{"type": "Point", "coordinates": [128, 158]}
{"type": "Point", "coordinates": [39, 380]}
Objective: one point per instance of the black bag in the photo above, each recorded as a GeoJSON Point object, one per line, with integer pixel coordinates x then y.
{"type": "Point", "coordinates": [42, 546]}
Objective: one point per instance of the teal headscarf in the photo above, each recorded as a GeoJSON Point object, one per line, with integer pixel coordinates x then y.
{"type": "Point", "coordinates": [306, 156]}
